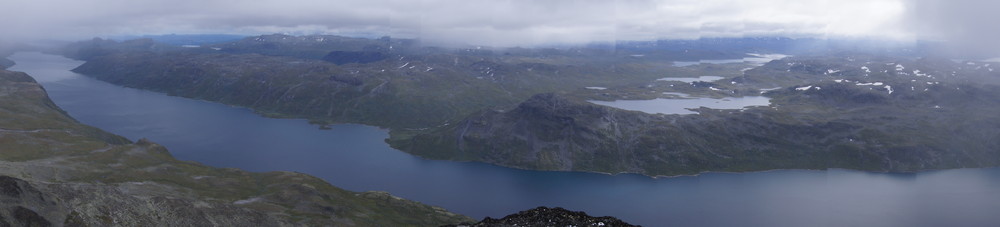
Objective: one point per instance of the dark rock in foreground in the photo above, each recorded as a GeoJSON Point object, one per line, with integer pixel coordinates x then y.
{"type": "Point", "coordinates": [544, 216]}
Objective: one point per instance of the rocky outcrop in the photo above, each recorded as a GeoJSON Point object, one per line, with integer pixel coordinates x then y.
{"type": "Point", "coordinates": [82, 204]}
{"type": "Point", "coordinates": [544, 216]}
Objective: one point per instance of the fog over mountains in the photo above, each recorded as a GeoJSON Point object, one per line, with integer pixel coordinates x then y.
{"type": "Point", "coordinates": [507, 23]}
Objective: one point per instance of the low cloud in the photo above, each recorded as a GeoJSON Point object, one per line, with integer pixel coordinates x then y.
{"type": "Point", "coordinates": [473, 22]}
{"type": "Point", "coordinates": [967, 26]}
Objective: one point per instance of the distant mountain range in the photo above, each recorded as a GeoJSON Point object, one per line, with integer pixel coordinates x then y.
{"type": "Point", "coordinates": [185, 39]}
{"type": "Point", "coordinates": [882, 109]}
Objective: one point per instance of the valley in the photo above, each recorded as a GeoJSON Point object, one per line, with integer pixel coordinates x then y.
{"type": "Point", "coordinates": [527, 108]}
{"type": "Point", "coordinates": [500, 113]}
{"type": "Point", "coordinates": [60, 172]}
{"type": "Point", "coordinates": [463, 187]}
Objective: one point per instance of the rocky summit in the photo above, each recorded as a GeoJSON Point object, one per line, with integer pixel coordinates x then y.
{"type": "Point", "coordinates": [544, 216]}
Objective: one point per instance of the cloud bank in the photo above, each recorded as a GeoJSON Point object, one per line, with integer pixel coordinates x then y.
{"type": "Point", "coordinates": [500, 22]}
{"type": "Point", "coordinates": [968, 26]}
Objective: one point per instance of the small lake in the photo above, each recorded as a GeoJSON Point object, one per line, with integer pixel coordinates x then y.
{"type": "Point", "coordinates": [692, 79]}
{"type": "Point", "coordinates": [757, 60]}
{"type": "Point", "coordinates": [681, 105]}
{"type": "Point", "coordinates": [355, 157]}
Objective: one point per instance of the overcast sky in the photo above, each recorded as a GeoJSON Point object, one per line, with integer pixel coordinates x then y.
{"type": "Point", "coordinates": [504, 22]}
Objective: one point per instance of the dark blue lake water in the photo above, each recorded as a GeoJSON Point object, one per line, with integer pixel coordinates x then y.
{"type": "Point", "coordinates": [355, 157]}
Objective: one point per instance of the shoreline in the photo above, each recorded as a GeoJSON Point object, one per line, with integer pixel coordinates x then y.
{"type": "Point", "coordinates": [321, 125]}
{"type": "Point", "coordinates": [658, 177]}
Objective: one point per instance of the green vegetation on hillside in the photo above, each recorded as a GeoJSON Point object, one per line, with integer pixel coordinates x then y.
{"type": "Point", "coordinates": [406, 91]}
{"type": "Point", "coordinates": [95, 178]}
{"type": "Point", "coordinates": [831, 111]}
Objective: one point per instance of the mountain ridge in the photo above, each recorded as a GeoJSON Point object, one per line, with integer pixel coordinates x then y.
{"type": "Point", "coordinates": [423, 97]}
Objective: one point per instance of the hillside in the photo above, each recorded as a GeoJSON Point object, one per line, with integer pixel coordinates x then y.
{"type": "Point", "coordinates": [527, 108]}
{"type": "Point", "coordinates": [60, 172]}
{"type": "Point", "coordinates": [403, 91]}
{"type": "Point", "coordinates": [875, 119]}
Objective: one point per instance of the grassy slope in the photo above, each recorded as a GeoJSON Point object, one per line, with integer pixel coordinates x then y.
{"type": "Point", "coordinates": [39, 142]}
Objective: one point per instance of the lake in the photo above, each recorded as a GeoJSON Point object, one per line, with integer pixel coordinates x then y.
{"type": "Point", "coordinates": [681, 105]}
{"type": "Point", "coordinates": [355, 157]}
{"type": "Point", "coordinates": [757, 60]}
{"type": "Point", "coordinates": [692, 79]}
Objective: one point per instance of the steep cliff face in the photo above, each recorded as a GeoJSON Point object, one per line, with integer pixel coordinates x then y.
{"type": "Point", "coordinates": [60, 172]}
{"type": "Point", "coordinates": [840, 126]}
